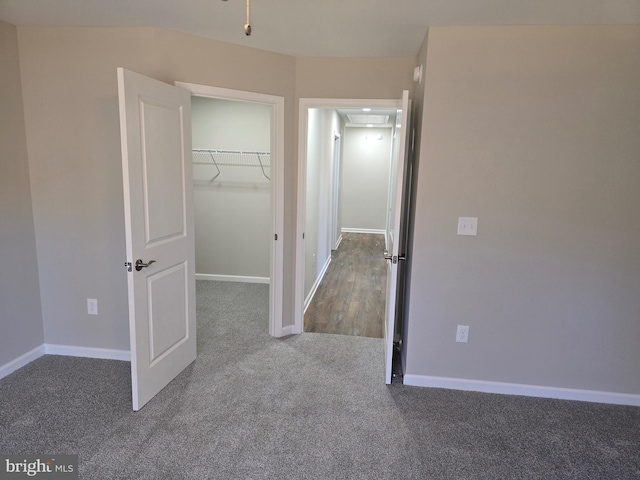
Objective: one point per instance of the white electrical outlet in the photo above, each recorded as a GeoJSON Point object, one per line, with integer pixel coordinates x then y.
{"type": "Point", "coordinates": [92, 306]}
{"type": "Point", "coordinates": [462, 334]}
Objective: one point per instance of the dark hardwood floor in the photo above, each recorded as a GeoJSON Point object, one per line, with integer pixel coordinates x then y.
{"type": "Point", "coordinates": [351, 297]}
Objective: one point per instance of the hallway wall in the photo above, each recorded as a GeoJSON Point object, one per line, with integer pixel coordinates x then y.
{"type": "Point", "coordinates": [322, 125]}
{"type": "Point", "coordinates": [365, 178]}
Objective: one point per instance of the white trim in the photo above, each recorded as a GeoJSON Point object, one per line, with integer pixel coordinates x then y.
{"type": "Point", "coordinates": [66, 350]}
{"type": "Point", "coordinates": [316, 284]}
{"type": "Point", "coordinates": [301, 203]}
{"type": "Point", "coordinates": [289, 330]}
{"type": "Point", "coordinates": [377, 231]}
{"type": "Point", "coordinates": [87, 352]}
{"type": "Point", "coordinates": [521, 389]}
{"type": "Point", "coordinates": [334, 204]}
{"type": "Point", "coordinates": [24, 359]}
{"type": "Point", "coordinates": [303, 116]}
{"type": "Point", "coordinates": [231, 278]}
{"type": "Point", "coordinates": [338, 242]}
{"type": "Point", "coordinates": [276, 290]}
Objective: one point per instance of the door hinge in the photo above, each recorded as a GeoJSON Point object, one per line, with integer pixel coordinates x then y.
{"type": "Point", "coordinates": [128, 265]}
{"type": "Point", "coordinates": [394, 258]}
{"type": "Point", "coordinates": [275, 236]}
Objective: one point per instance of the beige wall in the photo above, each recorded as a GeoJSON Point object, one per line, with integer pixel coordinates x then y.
{"type": "Point", "coordinates": [374, 77]}
{"type": "Point", "coordinates": [71, 112]}
{"type": "Point", "coordinates": [536, 131]}
{"type": "Point", "coordinates": [70, 92]}
{"type": "Point", "coordinates": [20, 311]}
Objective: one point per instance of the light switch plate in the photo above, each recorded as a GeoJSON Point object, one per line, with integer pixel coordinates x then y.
{"type": "Point", "coordinates": [467, 225]}
{"type": "Point", "coordinates": [92, 306]}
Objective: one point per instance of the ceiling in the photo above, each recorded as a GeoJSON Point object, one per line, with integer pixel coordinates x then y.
{"type": "Point", "coordinates": [376, 117]}
{"type": "Point", "coordinates": [334, 28]}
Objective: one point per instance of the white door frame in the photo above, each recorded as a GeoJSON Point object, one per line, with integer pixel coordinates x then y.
{"type": "Point", "coordinates": [277, 187]}
{"type": "Point", "coordinates": [335, 190]}
{"type": "Point", "coordinates": [303, 121]}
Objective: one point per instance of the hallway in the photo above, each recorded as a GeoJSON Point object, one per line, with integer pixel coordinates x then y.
{"type": "Point", "coordinates": [351, 297]}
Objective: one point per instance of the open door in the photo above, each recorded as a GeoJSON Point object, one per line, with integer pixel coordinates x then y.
{"type": "Point", "coordinates": [396, 234]}
{"type": "Point", "coordinates": [155, 129]}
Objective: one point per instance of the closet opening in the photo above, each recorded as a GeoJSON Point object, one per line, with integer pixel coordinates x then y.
{"type": "Point", "coordinates": [231, 189]}
{"type": "Point", "coordinates": [237, 158]}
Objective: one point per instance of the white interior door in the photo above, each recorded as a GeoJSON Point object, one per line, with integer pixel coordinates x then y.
{"type": "Point", "coordinates": [395, 237]}
{"type": "Point", "coordinates": [155, 128]}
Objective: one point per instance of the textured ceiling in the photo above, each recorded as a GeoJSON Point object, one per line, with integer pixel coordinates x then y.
{"type": "Point", "coordinates": [336, 28]}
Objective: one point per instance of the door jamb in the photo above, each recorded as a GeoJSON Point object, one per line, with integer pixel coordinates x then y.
{"type": "Point", "coordinates": [336, 161]}
{"type": "Point", "coordinates": [277, 188]}
{"type": "Point", "coordinates": [303, 122]}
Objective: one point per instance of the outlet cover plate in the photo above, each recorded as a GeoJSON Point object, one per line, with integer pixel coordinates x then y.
{"type": "Point", "coordinates": [462, 334]}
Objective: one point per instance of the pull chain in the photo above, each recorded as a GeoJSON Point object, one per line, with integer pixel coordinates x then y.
{"type": "Point", "coordinates": [247, 27]}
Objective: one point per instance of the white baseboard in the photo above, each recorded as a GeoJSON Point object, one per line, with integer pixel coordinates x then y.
{"type": "Point", "coordinates": [363, 230]}
{"type": "Point", "coordinates": [231, 278]}
{"type": "Point", "coordinates": [21, 361]}
{"type": "Point", "coordinates": [520, 389]}
{"type": "Point", "coordinates": [68, 350]}
{"type": "Point", "coordinates": [88, 352]}
{"type": "Point", "coordinates": [312, 292]}
{"type": "Point", "coordinates": [337, 245]}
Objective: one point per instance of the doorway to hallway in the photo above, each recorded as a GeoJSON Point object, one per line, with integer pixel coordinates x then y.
{"type": "Point", "coordinates": [310, 195]}
{"type": "Point", "coordinates": [348, 152]}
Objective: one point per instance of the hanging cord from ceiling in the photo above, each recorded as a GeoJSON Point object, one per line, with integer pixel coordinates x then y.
{"type": "Point", "coordinates": [247, 26]}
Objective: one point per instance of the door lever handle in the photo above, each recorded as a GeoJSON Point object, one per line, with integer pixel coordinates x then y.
{"type": "Point", "coordinates": [387, 255]}
{"type": "Point", "coordinates": [140, 264]}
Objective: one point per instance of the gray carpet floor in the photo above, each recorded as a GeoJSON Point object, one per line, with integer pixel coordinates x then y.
{"type": "Point", "coordinates": [311, 406]}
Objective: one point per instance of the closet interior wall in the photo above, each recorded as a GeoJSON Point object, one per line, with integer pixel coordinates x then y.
{"type": "Point", "coordinates": [232, 199]}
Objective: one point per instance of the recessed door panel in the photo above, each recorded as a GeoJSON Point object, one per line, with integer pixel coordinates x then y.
{"type": "Point", "coordinates": [163, 170]}
{"type": "Point", "coordinates": [165, 333]}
